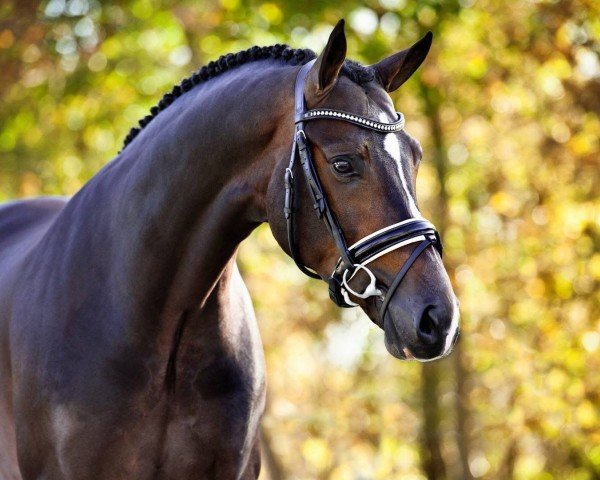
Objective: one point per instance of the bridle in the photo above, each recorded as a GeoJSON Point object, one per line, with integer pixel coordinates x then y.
{"type": "Point", "coordinates": [356, 257]}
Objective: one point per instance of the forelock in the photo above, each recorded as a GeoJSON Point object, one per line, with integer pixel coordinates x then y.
{"type": "Point", "coordinates": [359, 74]}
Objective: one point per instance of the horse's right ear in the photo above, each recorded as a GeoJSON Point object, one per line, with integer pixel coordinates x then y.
{"type": "Point", "coordinates": [325, 71]}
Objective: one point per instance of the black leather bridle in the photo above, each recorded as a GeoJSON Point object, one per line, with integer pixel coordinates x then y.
{"type": "Point", "coordinates": [356, 257]}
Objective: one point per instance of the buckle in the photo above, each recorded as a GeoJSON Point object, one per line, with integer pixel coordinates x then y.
{"type": "Point", "coordinates": [301, 140]}
{"type": "Point", "coordinates": [338, 295]}
{"type": "Point", "coordinates": [289, 177]}
{"type": "Point", "coordinates": [370, 290]}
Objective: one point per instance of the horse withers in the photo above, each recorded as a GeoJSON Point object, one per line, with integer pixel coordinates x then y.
{"type": "Point", "coordinates": [128, 344]}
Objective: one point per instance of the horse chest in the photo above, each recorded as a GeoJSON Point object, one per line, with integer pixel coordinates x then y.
{"type": "Point", "coordinates": [205, 428]}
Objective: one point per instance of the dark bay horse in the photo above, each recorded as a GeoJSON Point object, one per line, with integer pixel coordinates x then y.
{"type": "Point", "coordinates": [128, 344]}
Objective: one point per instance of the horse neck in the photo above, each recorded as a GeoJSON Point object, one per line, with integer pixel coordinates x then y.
{"type": "Point", "coordinates": [167, 215]}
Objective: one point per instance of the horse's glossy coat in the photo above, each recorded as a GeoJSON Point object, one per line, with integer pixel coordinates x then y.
{"type": "Point", "coordinates": [128, 345]}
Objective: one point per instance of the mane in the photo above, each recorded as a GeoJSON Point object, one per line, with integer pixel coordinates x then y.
{"type": "Point", "coordinates": [353, 70]}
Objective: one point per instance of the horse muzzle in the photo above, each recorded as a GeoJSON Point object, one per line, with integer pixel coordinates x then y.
{"type": "Point", "coordinates": [422, 334]}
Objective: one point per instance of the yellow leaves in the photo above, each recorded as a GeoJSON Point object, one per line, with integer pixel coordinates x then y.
{"type": "Point", "coordinates": [575, 391]}
{"type": "Point", "coordinates": [210, 44]}
{"type": "Point", "coordinates": [142, 9]}
{"type": "Point", "coordinates": [535, 288]}
{"type": "Point", "coordinates": [593, 450]}
{"type": "Point", "coordinates": [594, 266]}
{"type": "Point", "coordinates": [560, 132]}
{"type": "Point", "coordinates": [8, 140]}
{"type": "Point", "coordinates": [427, 16]}
{"type": "Point", "coordinates": [563, 287]}
{"type": "Point", "coordinates": [586, 415]}
{"type": "Point", "coordinates": [477, 66]}
{"type": "Point", "coordinates": [524, 311]}
{"type": "Point", "coordinates": [552, 86]}
{"type": "Point", "coordinates": [505, 203]}
{"type": "Point", "coordinates": [563, 35]}
{"type": "Point", "coordinates": [75, 119]}
{"type": "Point", "coordinates": [230, 4]}
{"type": "Point", "coordinates": [317, 453]}
{"type": "Point", "coordinates": [342, 472]}
{"type": "Point", "coordinates": [530, 466]}
{"type": "Point", "coordinates": [586, 141]}
{"type": "Point", "coordinates": [99, 139]}
{"type": "Point", "coordinates": [590, 341]}
{"type": "Point", "coordinates": [558, 66]}
{"type": "Point", "coordinates": [271, 13]}
{"type": "Point", "coordinates": [556, 380]}
{"type": "Point", "coordinates": [516, 417]}
{"type": "Point", "coordinates": [513, 98]}
{"type": "Point", "coordinates": [583, 143]}
{"type": "Point", "coordinates": [551, 73]}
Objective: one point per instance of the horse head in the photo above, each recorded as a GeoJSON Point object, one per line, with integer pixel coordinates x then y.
{"type": "Point", "coordinates": [368, 239]}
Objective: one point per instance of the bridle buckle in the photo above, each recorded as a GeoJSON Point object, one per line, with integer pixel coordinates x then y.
{"type": "Point", "coordinates": [370, 290]}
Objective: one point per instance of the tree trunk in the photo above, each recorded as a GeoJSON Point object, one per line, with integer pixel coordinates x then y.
{"type": "Point", "coordinates": [462, 412]}
{"type": "Point", "coordinates": [431, 451]}
{"type": "Point", "coordinates": [431, 96]}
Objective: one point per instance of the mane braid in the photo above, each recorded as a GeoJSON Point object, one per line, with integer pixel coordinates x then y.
{"type": "Point", "coordinates": [222, 64]}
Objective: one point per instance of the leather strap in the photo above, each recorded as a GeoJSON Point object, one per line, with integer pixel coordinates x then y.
{"type": "Point", "coordinates": [289, 205]}
{"type": "Point", "coordinates": [400, 276]}
{"type": "Point", "coordinates": [300, 149]}
{"type": "Point", "coordinates": [355, 119]}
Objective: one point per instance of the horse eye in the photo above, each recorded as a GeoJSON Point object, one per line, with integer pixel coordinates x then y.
{"type": "Point", "coordinates": [343, 167]}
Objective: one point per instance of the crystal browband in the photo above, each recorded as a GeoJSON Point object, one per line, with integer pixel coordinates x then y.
{"type": "Point", "coordinates": [353, 118]}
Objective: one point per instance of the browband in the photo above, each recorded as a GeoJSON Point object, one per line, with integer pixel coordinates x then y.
{"type": "Point", "coordinates": [355, 119]}
{"type": "Point", "coordinates": [354, 258]}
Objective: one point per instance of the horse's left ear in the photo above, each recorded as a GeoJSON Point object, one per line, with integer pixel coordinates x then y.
{"type": "Point", "coordinates": [397, 69]}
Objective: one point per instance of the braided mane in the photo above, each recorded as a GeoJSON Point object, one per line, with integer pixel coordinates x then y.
{"type": "Point", "coordinates": [353, 70]}
{"type": "Point", "coordinates": [214, 68]}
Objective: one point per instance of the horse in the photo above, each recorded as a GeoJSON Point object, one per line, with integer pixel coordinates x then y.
{"type": "Point", "coordinates": [128, 343]}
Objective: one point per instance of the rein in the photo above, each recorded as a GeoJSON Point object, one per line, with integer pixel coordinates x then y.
{"type": "Point", "coordinates": [356, 257]}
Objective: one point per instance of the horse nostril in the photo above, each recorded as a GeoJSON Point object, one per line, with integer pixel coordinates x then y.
{"type": "Point", "coordinates": [428, 327]}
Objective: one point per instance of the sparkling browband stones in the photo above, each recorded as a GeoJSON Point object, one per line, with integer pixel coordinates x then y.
{"type": "Point", "coordinates": [356, 119]}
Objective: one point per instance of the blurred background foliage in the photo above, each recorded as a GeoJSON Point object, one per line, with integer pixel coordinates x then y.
{"type": "Point", "coordinates": [507, 107]}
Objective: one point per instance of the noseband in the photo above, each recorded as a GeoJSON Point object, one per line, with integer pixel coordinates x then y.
{"type": "Point", "coordinates": [356, 257]}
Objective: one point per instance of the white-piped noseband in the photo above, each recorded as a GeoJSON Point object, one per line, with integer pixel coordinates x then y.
{"type": "Point", "coordinates": [348, 274]}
